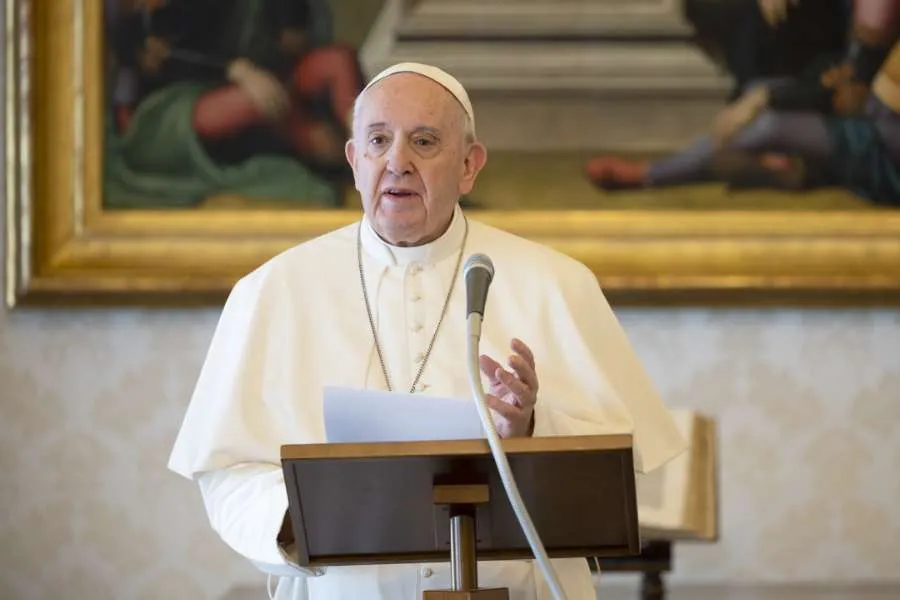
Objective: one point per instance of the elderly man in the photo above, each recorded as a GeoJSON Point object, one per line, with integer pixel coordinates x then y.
{"type": "Point", "coordinates": [379, 304]}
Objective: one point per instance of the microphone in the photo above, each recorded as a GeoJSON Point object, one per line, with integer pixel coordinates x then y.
{"type": "Point", "coordinates": [479, 272]}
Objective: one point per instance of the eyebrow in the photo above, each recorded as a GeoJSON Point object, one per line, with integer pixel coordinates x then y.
{"type": "Point", "coordinates": [419, 129]}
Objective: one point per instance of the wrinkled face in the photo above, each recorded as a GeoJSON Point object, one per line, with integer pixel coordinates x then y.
{"type": "Point", "coordinates": [410, 157]}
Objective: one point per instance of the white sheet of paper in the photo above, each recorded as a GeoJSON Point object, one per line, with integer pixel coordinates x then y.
{"type": "Point", "coordinates": [353, 415]}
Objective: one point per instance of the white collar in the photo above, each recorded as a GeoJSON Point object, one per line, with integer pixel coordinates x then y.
{"type": "Point", "coordinates": [446, 245]}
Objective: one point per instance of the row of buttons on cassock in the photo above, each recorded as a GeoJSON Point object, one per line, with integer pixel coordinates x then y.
{"type": "Point", "coordinates": [416, 327]}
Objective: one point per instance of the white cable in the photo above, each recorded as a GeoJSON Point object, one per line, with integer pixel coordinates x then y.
{"type": "Point", "coordinates": [512, 491]}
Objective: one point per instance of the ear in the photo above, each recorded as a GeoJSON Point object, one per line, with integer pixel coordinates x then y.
{"type": "Point", "coordinates": [476, 157]}
{"type": "Point", "coordinates": [350, 153]}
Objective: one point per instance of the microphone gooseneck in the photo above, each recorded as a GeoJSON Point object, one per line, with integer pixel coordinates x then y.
{"type": "Point", "coordinates": [479, 273]}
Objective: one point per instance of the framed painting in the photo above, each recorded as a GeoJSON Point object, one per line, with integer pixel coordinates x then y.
{"type": "Point", "coordinates": [686, 151]}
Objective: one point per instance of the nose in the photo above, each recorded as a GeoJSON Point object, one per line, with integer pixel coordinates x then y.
{"type": "Point", "coordinates": [399, 159]}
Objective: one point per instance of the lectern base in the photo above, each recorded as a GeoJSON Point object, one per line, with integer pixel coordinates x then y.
{"type": "Point", "coordinates": [488, 594]}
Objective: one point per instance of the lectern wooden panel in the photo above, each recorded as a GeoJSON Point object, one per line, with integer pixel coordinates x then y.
{"type": "Point", "coordinates": [392, 502]}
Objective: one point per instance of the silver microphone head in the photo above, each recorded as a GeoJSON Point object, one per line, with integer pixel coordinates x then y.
{"type": "Point", "coordinates": [479, 261]}
{"type": "Point", "coordinates": [479, 272]}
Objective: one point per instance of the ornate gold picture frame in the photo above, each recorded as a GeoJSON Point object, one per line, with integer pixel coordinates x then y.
{"type": "Point", "coordinates": [64, 248]}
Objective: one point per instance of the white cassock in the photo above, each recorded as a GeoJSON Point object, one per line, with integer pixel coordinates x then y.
{"type": "Point", "coordinates": [299, 323]}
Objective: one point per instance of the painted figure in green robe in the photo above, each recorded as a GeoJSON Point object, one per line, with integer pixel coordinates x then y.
{"type": "Point", "coordinates": [246, 98]}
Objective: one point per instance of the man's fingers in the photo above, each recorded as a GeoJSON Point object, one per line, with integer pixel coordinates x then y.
{"type": "Point", "coordinates": [489, 367]}
{"type": "Point", "coordinates": [507, 411]}
{"type": "Point", "coordinates": [519, 347]}
{"type": "Point", "coordinates": [524, 371]}
{"type": "Point", "coordinates": [523, 393]}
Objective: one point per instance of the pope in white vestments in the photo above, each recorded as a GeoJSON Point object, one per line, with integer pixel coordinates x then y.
{"type": "Point", "coordinates": [301, 322]}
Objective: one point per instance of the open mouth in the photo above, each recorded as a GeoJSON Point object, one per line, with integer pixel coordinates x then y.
{"type": "Point", "coordinates": [399, 193]}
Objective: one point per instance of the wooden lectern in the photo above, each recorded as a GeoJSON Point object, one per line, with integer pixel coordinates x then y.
{"type": "Point", "coordinates": [435, 501]}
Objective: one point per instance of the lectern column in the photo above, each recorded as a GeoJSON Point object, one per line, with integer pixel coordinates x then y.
{"type": "Point", "coordinates": [462, 501]}
{"type": "Point", "coordinates": [463, 559]}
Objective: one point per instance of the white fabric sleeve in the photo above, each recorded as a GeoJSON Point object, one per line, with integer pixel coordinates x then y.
{"type": "Point", "coordinates": [246, 505]}
{"type": "Point", "coordinates": [593, 382]}
{"type": "Point", "coordinates": [550, 421]}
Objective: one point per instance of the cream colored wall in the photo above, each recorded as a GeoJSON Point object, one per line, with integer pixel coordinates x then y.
{"type": "Point", "coordinates": [808, 404]}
